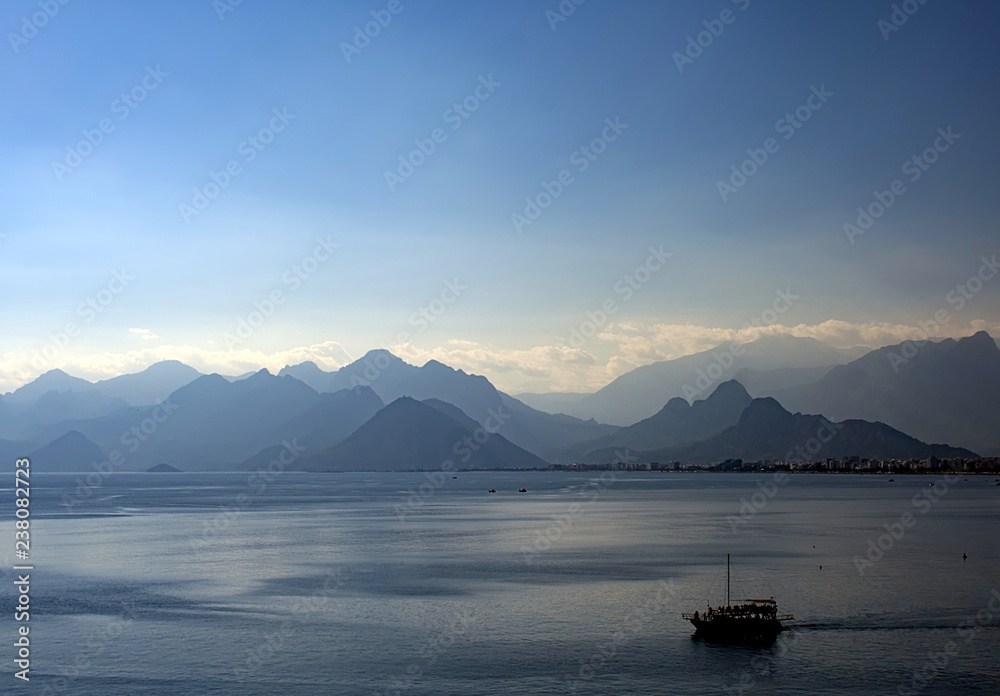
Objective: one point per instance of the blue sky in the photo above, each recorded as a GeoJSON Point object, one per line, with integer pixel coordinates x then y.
{"type": "Point", "coordinates": [214, 82]}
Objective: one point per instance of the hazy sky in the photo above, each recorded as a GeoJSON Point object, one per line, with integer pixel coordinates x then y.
{"type": "Point", "coordinates": [312, 117]}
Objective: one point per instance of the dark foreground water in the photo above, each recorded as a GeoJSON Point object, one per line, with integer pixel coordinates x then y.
{"type": "Point", "coordinates": [370, 584]}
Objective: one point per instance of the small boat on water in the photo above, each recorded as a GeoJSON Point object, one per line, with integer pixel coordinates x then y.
{"type": "Point", "coordinates": [749, 621]}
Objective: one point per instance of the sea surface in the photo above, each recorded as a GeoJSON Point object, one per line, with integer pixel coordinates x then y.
{"type": "Point", "coordinates": [409, 583]}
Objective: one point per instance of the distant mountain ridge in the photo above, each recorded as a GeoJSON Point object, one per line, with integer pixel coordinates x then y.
{"type": "Point", "coordinates": [945, 391]}
{"type": "Point", "coordinates": [677, 423]}
{"type": "Point", "coordinates": [70, 452]}
{"type": "Point", "coordinates": [765, 430]}
{"type": "Point", "coordinates": [886, 404]}
{"type": "Point", "coordinates": [643, 391]}
{"type": "Point", "coordinates": [409, 434]}
{"type": "Point", "coordinates": [545, 435]}
{"type": "Point", "coordinates": [143, 388]}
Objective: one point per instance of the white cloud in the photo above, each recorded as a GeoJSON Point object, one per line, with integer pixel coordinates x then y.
{"type": "Point", "coordinates": [17, 369]}
{"type": "Point", "coordinates": [618, 348]}
{"type": "Point", "coordinates": [144, 334]}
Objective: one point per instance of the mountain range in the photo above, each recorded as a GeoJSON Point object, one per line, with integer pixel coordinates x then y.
{"type": "Point", "coordinates": [642, 392]}
{"type": "Point", "coordinates": [380, 412]}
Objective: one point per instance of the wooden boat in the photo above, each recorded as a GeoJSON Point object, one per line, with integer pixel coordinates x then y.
{"type": "Point", "coordinates": [750, 620]}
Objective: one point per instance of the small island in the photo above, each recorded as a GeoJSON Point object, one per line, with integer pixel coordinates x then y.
{"type": "Point", "coordinates": [163, 469]}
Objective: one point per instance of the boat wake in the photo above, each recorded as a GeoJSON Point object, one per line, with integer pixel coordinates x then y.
{"type": "Point", "coordinates": [902, 625]}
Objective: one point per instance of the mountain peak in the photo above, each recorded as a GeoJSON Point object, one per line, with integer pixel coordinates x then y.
{"type": "Point", "coordinates": [730, 389]}
{"type": "Point", "coordinates": [981, 342]}
{"type": "Point", "coordinates": [677, 403]}
{"type": "Point", "coordinates": [169, 365]}
{"type": "Point", "coordinates": [72, 451]}
{"type": "Point", "coordinates": [762, 412]}
{"type": "Point", "coordinates": [382, 353]}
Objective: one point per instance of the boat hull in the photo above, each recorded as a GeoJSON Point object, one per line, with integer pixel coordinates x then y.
{"type": "Point", "coordinates": [742, 630]}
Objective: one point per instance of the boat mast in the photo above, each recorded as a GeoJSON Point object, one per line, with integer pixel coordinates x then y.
{"type": "Point", "coordinates": [727, 579]}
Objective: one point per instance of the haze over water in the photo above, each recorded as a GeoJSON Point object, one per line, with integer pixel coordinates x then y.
{"type": "Point", "coordinates": [316, 585]}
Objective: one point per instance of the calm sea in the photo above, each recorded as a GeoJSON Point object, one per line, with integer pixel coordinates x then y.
{"type": "Point", "coordinates": [412, 584]}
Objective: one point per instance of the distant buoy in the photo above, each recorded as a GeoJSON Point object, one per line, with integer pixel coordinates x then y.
{"type": "Point", "coordinates": [964, 556]}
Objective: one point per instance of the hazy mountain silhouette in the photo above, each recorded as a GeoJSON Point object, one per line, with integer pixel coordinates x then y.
{"type": "Point", "coordinates": [408, 434]}
{"type": "Point", "coordinates": [11, 450]}
{"type": "Point", "coordinates": [331, 418]}
{"type": "Point", "coordinates": [766, 430]}
{"type": "Point", "coordinates": [155, 383]}
{"type": "Point", "coordinates": [546, 435]}
{"type": "Point", "coordinates": [53, 380]}
{"type": "Point", "coordinates": [309, 373]}
{"type": "Point", "coordinates": [56, 397]}
{"type": "Point", "coordinates": [760, 383]}
{"type": "Point", "coordinates": [55, 407]}
{"type": "Point", "coordinates": [216, 422]}
{"type": "Point", "coordinates": [677, 423]}
{"type": "Point", "coordinates": [948, 391]}
{"type": "Point", "coordinates": [212, 423]}
{"type": "Point", "coordinates": [69, 452]}
{"type": "Point", "coordinates": [643, 391]}
{"type": "Point", "coordinates": [391, 378]}
{"type": "Point", "coordinates": [554, 402]}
